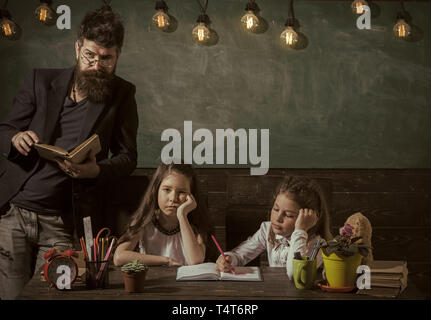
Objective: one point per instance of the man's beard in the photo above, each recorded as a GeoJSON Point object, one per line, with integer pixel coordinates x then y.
{"type": "Point", "coordinates": [93, 84]}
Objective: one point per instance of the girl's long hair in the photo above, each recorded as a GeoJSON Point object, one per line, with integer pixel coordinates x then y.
{"type": "Point", "coordinates": [307, 193]}
{"type": "Point", "coordinates": [149, 204]}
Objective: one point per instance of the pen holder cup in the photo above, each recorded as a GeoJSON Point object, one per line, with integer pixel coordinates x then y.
{"type": "Point", "coordinates": [304, 273]}
{"type": "Point", "coordinates": [96, 274]}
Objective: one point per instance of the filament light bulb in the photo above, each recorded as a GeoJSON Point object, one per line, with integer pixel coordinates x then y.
{"type": "Point", "coordinates": [402, 29]}
{"type": "Point", "coordinates": [45, 14]}
{"type": "Point", "coordinates": [250, 21]}
{"type": "Point", "coordinates": [357, 6]}
{"type": "Point", "coordinates": [9, 29]}
{"type": "Point", "coordinates": [161, 20]}
{"type": "Point", "coordinates": [289, 37]}
{"type": "Point", "coordinates": [201, 34]}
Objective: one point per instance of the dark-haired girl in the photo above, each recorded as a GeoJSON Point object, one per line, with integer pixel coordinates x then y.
{"type": "Point", "coordinates": [170, 226]}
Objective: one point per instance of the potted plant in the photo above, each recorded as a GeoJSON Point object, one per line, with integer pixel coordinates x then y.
{"type": "Point", "coordinates": [341, 258]}
{"type": "Point", "coordinates": [134, 274]}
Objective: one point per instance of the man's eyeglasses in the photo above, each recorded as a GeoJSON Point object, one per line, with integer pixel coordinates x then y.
{"type": "Point", "coordinates": [90, 60]}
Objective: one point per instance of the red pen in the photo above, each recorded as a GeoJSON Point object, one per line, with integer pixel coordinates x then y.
{"type": "Point", "coordinates": [221, 251]}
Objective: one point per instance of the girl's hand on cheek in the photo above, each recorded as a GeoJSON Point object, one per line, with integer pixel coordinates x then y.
{"type": "Point", "coordinates": [306, 220]}
{"type": "Point", "coordinates": [188, 206]}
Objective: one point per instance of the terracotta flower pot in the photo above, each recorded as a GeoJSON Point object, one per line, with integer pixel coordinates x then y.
{"type": "Point", "coordinates": [134, 282]}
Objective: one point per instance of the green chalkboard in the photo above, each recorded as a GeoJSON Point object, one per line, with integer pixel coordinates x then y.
{"type": "Point", "coordinates": [351, 98]}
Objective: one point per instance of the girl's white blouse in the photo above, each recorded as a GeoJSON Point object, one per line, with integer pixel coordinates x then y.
{"type": "Point", "coordinates": [157, 243]}
{"type": "Point", "coordinates": [279, 255]}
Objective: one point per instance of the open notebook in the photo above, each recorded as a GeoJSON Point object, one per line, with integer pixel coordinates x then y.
{"type": "Point", "coordinates": [77, 155]}
{"type": "Point", "coordinates": [207, 271]}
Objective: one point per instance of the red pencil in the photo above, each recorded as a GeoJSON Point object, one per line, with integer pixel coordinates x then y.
{"type": "Point", "coordinates": [221, 251]}
{"type": "Point", "coordinates": [94, 249]}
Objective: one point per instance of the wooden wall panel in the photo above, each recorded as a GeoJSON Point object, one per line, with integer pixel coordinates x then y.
{"type": "Point", "coordinates": [384, 208]}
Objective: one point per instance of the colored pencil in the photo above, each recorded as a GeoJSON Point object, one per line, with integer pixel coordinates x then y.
{"type": "Point", "coordinates": [84, 250]}
{"type": "Point", "coordinates": [106, 259]}
{"type": "Point", "coordinates": [221, 251]}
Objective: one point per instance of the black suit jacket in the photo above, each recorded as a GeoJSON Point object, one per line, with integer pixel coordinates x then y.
{"type": "Point", "coordinates": [37, 107]}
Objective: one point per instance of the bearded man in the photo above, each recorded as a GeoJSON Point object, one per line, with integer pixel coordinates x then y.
{"type": "Point", "coordinates": [62, 107]}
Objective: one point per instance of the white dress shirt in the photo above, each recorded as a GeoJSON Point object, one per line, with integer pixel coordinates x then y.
{"type": "Point", "coordinates": [279, 255]}
{"type": "Point", "coordinates": [157, 243]}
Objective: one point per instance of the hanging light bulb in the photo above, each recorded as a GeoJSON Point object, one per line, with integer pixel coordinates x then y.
{"type": "Point", "coordinates": [201, 34]}
{"type": "Point", "coordinates": [289, 37]}
{"type": "Point", "coordinates": [402, 28]}
{"type": "Point", "coordinates": [8, 28]}
{"type": "Point", "coordinates": [250, 21]}
{"type": "Point", "coordinates": [161, 20]}
{"type": "Point", "coordinates": [357, 6]}
{"type": "Point", "coordinates": [44, 13]}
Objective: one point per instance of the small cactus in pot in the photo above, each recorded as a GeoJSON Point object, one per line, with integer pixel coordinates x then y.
{"type": "Point", "coordinates": [134, 273]}
{"type": "Point", "coordinates": [134, 266]}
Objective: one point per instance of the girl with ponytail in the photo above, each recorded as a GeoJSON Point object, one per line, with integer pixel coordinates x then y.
{"type": "Point", "coordinates": [298, 218]}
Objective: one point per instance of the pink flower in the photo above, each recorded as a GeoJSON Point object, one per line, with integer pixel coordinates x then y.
{"type": "Point", "coordinates": [347, 232]}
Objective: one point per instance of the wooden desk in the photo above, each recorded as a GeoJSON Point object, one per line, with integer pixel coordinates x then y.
{"type": "Point", "coordinates": [161, 285]}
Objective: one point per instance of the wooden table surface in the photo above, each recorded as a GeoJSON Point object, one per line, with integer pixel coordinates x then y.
{"type": "Point", "coordinates": [161, 285]}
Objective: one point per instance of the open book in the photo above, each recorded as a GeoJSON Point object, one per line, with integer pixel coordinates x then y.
{"type": "Point", "coordinates": [207, 271]}
{"type": "Point", "coordinates": [77, 155]}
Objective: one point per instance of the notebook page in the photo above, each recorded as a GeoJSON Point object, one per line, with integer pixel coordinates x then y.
{"type": "Point", "coordinates": [203, 271]}
{"type": "Point", "coordinates": [243, 274]}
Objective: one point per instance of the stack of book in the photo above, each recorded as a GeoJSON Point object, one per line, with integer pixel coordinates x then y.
{"type": "Point", "coordinates": [388, 278]}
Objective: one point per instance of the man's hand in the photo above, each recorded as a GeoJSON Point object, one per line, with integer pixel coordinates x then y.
{"type": "Point", "coordinates": [86, 170]}
{"type": "Point", "coordinates": [23, 141]}
{"type": "Point", "coordinates": [306, 220]}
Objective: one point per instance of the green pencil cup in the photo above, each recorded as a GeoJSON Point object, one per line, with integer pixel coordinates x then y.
{"type": "Point", "coordinates": [304, 273]}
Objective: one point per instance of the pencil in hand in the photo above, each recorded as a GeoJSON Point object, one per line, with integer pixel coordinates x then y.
{"type": "Point", "coordinates": [232, 270]}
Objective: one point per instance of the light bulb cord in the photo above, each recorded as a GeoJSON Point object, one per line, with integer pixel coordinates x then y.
{"type": "Point", "coordinates": [290, 15]}
{"type": "Point", "coordinates": [252, 6]}
{"type": "Point", "coordinates": [4, 13]}
{"type": "Point", "coordinates": [403, 8]}
{"type": "Point", "coordinates": [403, 13]}
{"type": "Point", "coordinates": [203, 8]}
{"type": "Point", "coordinates": [161, 5]}
{"type": "Point", "coordinates": [106, 5]}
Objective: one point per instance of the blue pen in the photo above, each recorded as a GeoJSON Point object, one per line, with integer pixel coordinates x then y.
{"type": "Point", "coordinates": [314, 252]}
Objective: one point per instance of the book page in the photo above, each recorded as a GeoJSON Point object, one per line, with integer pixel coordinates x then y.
{"type": "Point", "coordinates": [381, 292]}
{"type": "Point", "coordinates": [242, 274]}
{"type": "Point", "coordinates": [387, 276]}
{"type": "Point", "coordinates": [382, 266]}
{"type": "Point", "coordinates": [387, 284]}
{"type": "Point", "coordinates": [80, 153]}
{"type": "Point", "coordinates": [49, 152]}
{"type": "Point", "coordinates": [203, 271]}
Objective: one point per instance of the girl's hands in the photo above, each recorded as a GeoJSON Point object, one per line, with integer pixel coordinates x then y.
{"type": "Point", "coordinates": [185, 208]}
{"type": "Point", "coordinates": [173, 263]}
{"type": "Point", "coordinates": [306, 220]}
{"type": "Point", "coordinates": [224, 265]}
